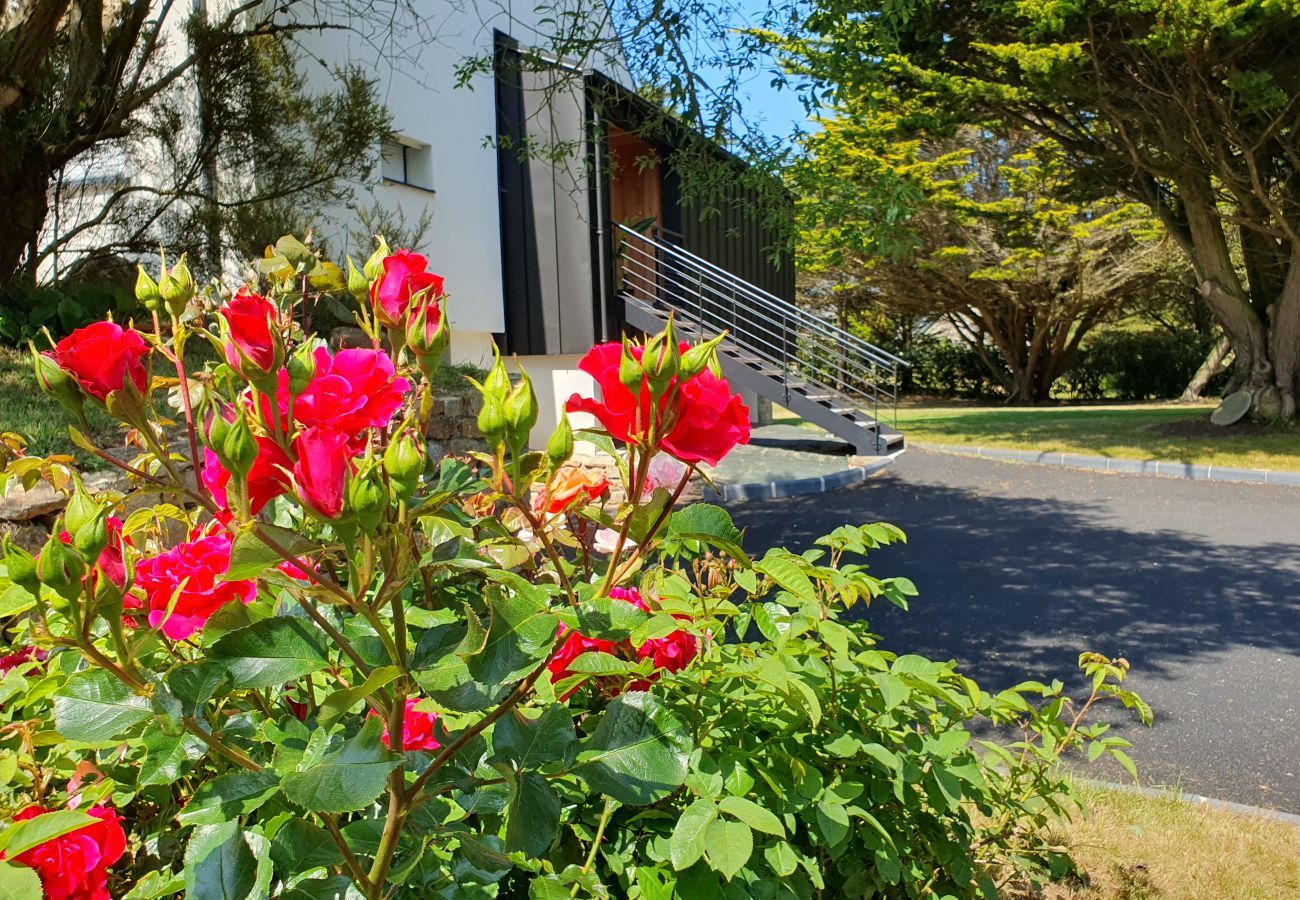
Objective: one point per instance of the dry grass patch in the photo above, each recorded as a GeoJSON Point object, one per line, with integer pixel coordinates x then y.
{"type": "Point", "coordinates": [1133, 847]}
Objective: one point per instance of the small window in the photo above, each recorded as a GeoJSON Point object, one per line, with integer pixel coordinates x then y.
{"type": "Point", "coordinates": [402, 161]}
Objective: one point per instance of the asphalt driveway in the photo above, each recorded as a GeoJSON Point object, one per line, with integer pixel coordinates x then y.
{"type": "Point", "coordinates": [1020, 567]}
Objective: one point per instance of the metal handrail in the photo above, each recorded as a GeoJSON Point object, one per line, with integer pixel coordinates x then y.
{"type": "Point", "coordinates": [769, 298]}
{"type": "Point", "coordinates": [797, 343]}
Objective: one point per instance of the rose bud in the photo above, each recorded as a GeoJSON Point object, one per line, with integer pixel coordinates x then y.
{"type": "Point", "coordinates": [254, 347]}
{"type": "Point", "coordinates": [405, 278]}
{"type": "Point", "coordinates": [177, 287]}
{"type": "Point", "coordinates": [374, 266]}
{"type": "Point", "coordinates": [60, 567]}
{"type": "Point", "coordinates": [427, 335]}
{"type": "Point", "coordinates": [367, 499]}
{"type": "Point", "coordinates": [21, 567]}
{"type": "Point", "coordinates": [58, 384]}
{"type": "Point", "coordinates": [321, 469]}
{"type": "Point", "coordinates": [521, 413]}
{"type": "Point", "coordinates": [239, 449]}
{"type": "Point", "coordinates": [302, 369]}
{"type": "Point", "coordinates": [404, 463]}
{"type": "Point", "coordinates": [146, 290]}
{"type": "Point", "coordinates": [358, 283]}
{"type": "Point", "coordinates": [560, 447]}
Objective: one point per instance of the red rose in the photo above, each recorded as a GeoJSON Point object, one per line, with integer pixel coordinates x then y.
{"type": "Point", "coordinates": [191, 573]}
{"type": "Point", "coordinates": [321, 470]}
{"type": "Point", "coordinates": [110, 560]}
{"type": "Point", "coordinates": [104, 357]}
{"type": "Point", "coordinates": [351, 391]}
{"type": "Point", "coordinates": [707, 420]}
{"type": "Point", "coordinates": [574, 646]}
{"type": "Point", "coordinates": [21, 656]}
{"type": "Point", "coordinates": [267, 479]}
{"type": "Point", "coordinates": [417, 728]}
{"type": "Point", "coordinates": [672, 653]}
{"type": "Point", "coordinates": [405, 277]}
{"type": "Point", "coordinates": [251, 324]}
{"type": "Point", "coordinates": [631, 595]}
{"type": "Point", "coordinates": [74, 866]}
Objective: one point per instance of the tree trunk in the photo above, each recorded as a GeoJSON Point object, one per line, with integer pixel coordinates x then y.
{"type": "Point", "coordinates": [24, 197]}
{"type": "Point", "coordinates": [1215, 362]}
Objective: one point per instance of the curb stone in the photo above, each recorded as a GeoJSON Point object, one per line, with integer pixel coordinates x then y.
{"type": "Point", "coordinates": [797, 487]}
{"type": "Point", "coordinates": [1162, 468]}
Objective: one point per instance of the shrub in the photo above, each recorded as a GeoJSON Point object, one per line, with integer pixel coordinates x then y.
{"type": "Point", "coordinates": [333, 667]}
{"type": "Point", "coordinates": [25, 309]}
{"type": "Point", "coordinates": [1135, 365]}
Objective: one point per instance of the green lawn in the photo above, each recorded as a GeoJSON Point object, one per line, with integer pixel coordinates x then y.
{"type": "Point", "coordinates": [1173, 432]}
{"type": "Point", "coordinates": [24, 409]}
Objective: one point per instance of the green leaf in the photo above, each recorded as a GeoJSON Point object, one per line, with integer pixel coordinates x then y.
{"type": "Point", "coordinates": [194, 684]}
{"type": "Point", "coordinates": [833, 820]}
{"type": "Point", "coordinates": [23, 836]}
{"type": "Point", "coordinates": [228, 797]}
{"type": "Point", "coordinates": [531, 743]}
{"type": "Point", "coordinates": [156, 885]}
{"type": "Point", "coordinates": [781, 858]}
{"type": "Point", "coordinates": [780, 566]}
{"type": "Point", "coordinates": [22, 883]}
{"type": "Point", "coordinates": [250, 557]}
{"type": "Point", "coordinates": [606, 619]}
{"type": "Point", "coordinates": [168, 756]}
{"type": "Point", "coordinates": [300, 846]}
{"type": "Point", "coordinates": [348, 779]}
{"type": "Point", "coordinates": [547, 887]}
{"type": "Point", "coordinates": [710, 524]}
{"type": "Point", "coordinates": [596, 662]}
{"type": "Point", "coordinates": [336, 704]}
{"type": "Point", "coordinates": [226, 871]}
{"type": "Point", "coordinates": [534, 816]}
{"type": "Point", "coordinates": [687, 843]}
{"type": "Point", "coordinates": [337, 887]}
{"type": "Point", "coordinates": [520, 634]}
{"type": "Point", "coordinates": [753, 815]}
{"type": "Point", "coordinates": [638, 753]}
{"type": "Point", "coordinates": [730, 846]}
{"type": "Point", "coordinates": [893, 690]}
{"type": "Point", "coordinates": [270, 652]}
{"type": "Point", "coordinates": [95, 706]}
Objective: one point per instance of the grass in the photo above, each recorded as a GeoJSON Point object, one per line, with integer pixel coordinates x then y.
{"type": "Point", "coordinates": [1175, 432]}
{"type": "Point", "coordinates": [1136, 847]}
{"type": "Point", "coordinates": [24, 409]}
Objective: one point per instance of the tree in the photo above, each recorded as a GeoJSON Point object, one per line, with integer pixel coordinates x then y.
{"type": "Point", "coordinates": [979, 230]}
{"type": "Point", "coordinates": [1188, 106]}
{"type": "Point", "coordinates": [206, 115]}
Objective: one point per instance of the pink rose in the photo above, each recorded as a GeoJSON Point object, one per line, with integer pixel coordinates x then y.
{"type": "Point", "coordinates": [405, 278]}
{"type": "Point", "coordinates": [191, 573]}
{"type": "Point", "coordinates": [103, 358]}
{"type": "Point", "coordinates": [664, 472]}
{"type": "Point", "coordinates": [321, 470]}
{"type": "Point", "coordinates": [266, 480]}
{"type": "Point", "coordinates": [703, 419]}
{"type": "Point", "coordinates": [74, 866]}
{"type": "Point", "coordinates": [631, 595]}
{"type": "Point", "coordinates": [417, 728]}
{"type": "Point", "coordinates": [352, 391]}
{"type": "Point", "coordinates": [251, 323]}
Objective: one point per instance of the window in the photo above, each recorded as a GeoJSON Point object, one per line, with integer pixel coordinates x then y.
{"type": "Point", "coordinates": [403, 161]}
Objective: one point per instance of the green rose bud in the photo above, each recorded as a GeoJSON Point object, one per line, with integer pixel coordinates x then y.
{"type": "Point", "coordinates": [367, 499]}
{"type": "Point", "coordinates": [374, 266]}
{"type": "Point", "coordinates": [492, 421]}
{"type": "Point", "coordinates": [701, 357]}
{"type": "Point", "coordinates": [60, 567]}
{"type": "Point", "coordinates": [21, 567]}
{"type": "Point", "coordinates": [358, 283]}
{"type": "Point", "coordinates": [560, 447]}
{"type": "Point", "coordinates": [146, 290]}
{"type": "Point", "coordinates": [58, 384]}
{"type": "Point", "coordinates": [497, 383]}
{"type": "Point", "coordinates": [662, 360]}
{"type": "Point", "coordinates": [80, 510]}
{"type": "Point", "coordinates": [404, 463]}
{"type": "Point", "coordinates": [302, 369]}
{"type": "Point", "coordinates": [239, 449]}
{"type": "Point", "coordinates": [520, 412]}
{"type": "Point", "coordinates": [630, 372]}
{"type": "Point", "coordinates": [92, 537]}
{"type": "Point", "coordinates": [177, 287]}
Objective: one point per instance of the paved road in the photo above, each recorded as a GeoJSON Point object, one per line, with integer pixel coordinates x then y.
{"type": "Point", "coordinates": [1022, 566]}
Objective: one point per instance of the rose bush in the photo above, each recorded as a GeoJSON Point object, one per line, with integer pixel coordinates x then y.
{"type": "Point", "coordinates": [333, 666]}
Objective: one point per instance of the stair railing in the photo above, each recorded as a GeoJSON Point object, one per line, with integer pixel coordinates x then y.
{"type": "Point", "coordinates": [808, 354]}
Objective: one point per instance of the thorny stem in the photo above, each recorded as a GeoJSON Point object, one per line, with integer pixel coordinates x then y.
{"type": "Point", "coordinates": [183, 378]}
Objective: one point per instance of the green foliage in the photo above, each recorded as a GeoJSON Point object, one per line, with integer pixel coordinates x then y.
{"type": "Point", "coordinates": [1137, 365]}
{"type": "Point", "coordinates": [725, 726]}
{"type": "Point", "coordinates": [26, 309]}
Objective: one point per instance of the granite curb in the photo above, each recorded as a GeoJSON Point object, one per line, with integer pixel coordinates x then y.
{"type": "Point", "coordinates": [797, 487]}
{"type": "Point", "coordinates": [1162, 468]}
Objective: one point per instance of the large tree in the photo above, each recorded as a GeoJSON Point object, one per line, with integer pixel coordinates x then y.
{"type": "Point", "coordinates": [203, 116]}
{"type": "Point", "coordinates": [1188, 106]}
{"type": "Point", "coordinates": [979, 230]}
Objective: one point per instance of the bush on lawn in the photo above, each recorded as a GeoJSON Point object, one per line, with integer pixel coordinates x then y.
{"type": "Point", "coordinates": [330, 666]}
{"type": "Point", "coordinates": [1135, 365]}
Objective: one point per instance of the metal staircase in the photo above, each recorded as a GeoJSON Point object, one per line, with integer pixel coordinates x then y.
{"type": "Point", "coordinates": [819, 372]}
